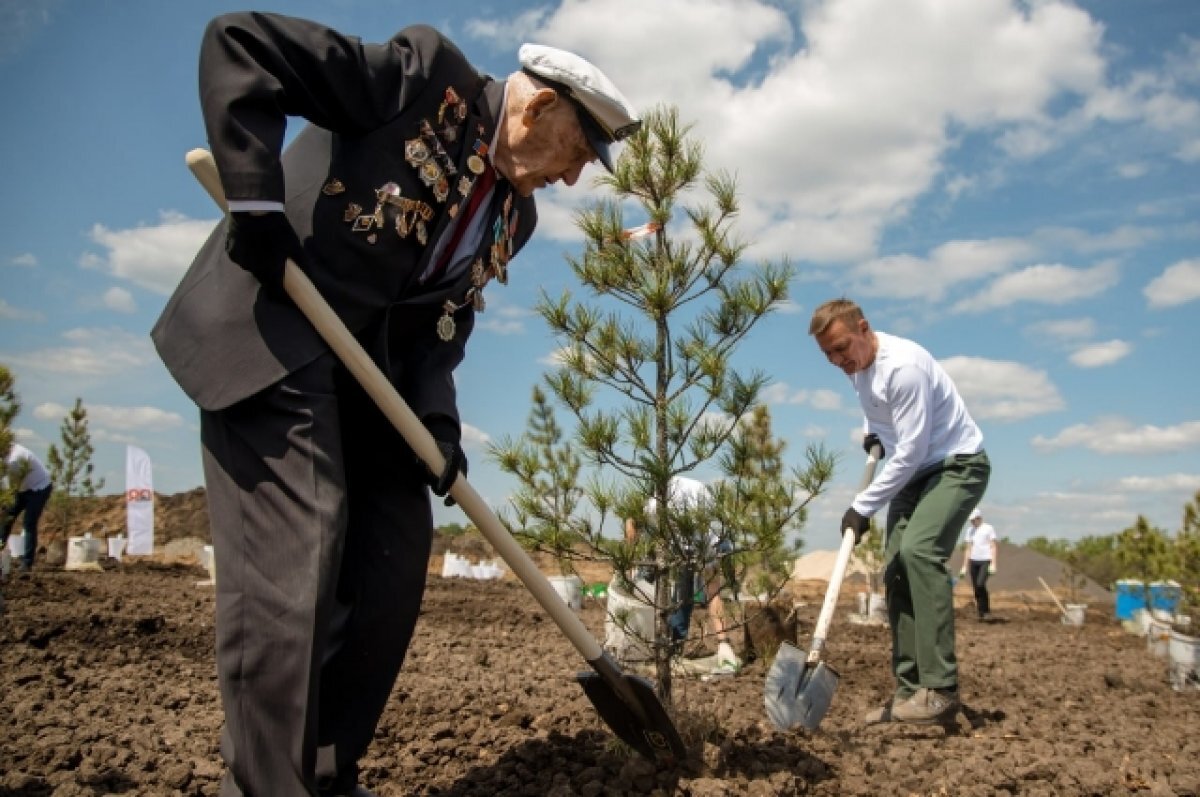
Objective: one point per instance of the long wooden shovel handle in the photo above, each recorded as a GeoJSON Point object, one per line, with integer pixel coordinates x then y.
{"type": "Point", "coordinates": [301, 290]}
{"type": "Point", "coordinates": [1054, 597]}
{"type": "Point", "coordinates": [839, 567]}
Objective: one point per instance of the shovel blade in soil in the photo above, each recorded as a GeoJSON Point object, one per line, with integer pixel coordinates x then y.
{"type": "Point", "coordinates": [637, 718]}
{"type": "Point", "coordinates": [816, 694]}
{"type": "Point", "coordinates": [797, 692]}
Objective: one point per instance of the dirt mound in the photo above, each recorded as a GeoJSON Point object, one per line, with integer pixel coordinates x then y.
{"type": "Point", "coordinates": [175, 517]}
{"type": "Point", "coordinates": [1018, 572]}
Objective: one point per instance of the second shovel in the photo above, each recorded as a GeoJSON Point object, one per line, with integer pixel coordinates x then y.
{"type": "Point", "coordinates": [799, 688]}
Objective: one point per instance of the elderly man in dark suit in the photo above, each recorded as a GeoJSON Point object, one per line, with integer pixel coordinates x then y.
{"type": "Point", "coordinates": [403, 199]}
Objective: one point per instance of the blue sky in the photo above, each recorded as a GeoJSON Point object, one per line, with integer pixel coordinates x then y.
{"type": "Point", "coordinates": [1015, 185]}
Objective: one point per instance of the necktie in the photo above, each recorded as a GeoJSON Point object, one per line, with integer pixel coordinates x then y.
{"type": "Point", "coordinates": [483, 184]}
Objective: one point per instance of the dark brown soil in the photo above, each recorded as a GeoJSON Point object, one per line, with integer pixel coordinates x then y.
{"type": "Point", "coordinates": [107, 687]}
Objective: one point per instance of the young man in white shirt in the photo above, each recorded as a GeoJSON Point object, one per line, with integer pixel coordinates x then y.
{"type": "Point", "coordinates": [980, 559]}
{"type": "Point", "coordinates": [935, 474]}
{"type": "Point", "coordinates": [28, 477]}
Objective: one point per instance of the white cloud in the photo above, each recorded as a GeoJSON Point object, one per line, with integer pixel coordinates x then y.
{"type": "Point", "coordinates": [907, 277]}
{"type": "Point", "coordinates": [88, 352]}
{"type": "Point", "coordinates": [1096, 355]}
{"type": "Point", "coordinates": [24, 260]}
{"type": "Point", "coordinates": [152, 257]}
{"type": "Point", "coordinates": [1132, 171]}
{"type": "Point", "coordinates": [1178, 284]}
{"type": "Point", "coordinates": [820, 399]}
{"type": "Point", "coordinates": [1119, 436]}
{"type": "Point", "coordinates": [1065, 329]}
{"type": "Point", "coordinates": [120, 300]}
{"type": "Point", "coordinates": [1167, 483]}
{"type": "Point", "coordinates": [842, 112]}
{"type": "Point", "coordinates": [507, 34]}
{"type": "Point", "coordinates": [474, 437]}
{"type": "Point", "coordinates": [10, 313]}
{"type": "Point", "coordinates": [1001, 390]}
{"type": "Point", "coordinates": [110, 418]}
{"type": "Point", "coordinates": [1044, 284]}
{"type": "Point", "coordinates": [20, 21]}
{"type": "Point", "coordinates": [1125, 237]}
{"type": "Point", "coordinates": [502, 319]}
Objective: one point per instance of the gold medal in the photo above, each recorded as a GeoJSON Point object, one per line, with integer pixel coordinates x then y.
{"type": "Point", "coordinates": [416, 151]}
{"type": "Point", "coordinates": [445, 325]}
{"type": "Point", "coordinates": [475, 164]}
{"type": "Point", "coordinates": [430, 173]}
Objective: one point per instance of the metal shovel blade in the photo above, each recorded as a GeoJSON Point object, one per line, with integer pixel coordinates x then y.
{"type": "Point", "coordinates": [637, 718]}
{"type": "Point", "coordinates": [797, 692]}
{"type": "Point", "coordinates": [816, 694]}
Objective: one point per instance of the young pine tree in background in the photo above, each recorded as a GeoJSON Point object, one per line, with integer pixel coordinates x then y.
{"type": "Point", "coordinates": [10, 407]}
{"type": "Point", "coordinates": [547, 501]}
{"type": "Point", "coordinates": [71, 467]}
{"type": "Point", "coordinates": [761, 508]}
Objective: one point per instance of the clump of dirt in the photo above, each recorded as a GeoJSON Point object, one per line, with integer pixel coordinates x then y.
{"type": "Point", "coordinates": [108, 687]}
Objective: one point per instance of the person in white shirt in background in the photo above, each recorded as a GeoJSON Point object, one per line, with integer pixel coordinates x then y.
{"type": "Point", "coordinates": [688, 494]}
{"type": "Point", "coordinates": [981, 559]}
{"type": "Point", "coordinates": [935, 474]}
{"type": "Point", "coordinates": [26, 474]}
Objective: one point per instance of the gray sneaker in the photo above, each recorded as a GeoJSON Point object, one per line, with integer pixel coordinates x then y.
{"type": "Point", "coordinates": [928, 707]}
{"type": "Point", "coordinates": [877, 716]}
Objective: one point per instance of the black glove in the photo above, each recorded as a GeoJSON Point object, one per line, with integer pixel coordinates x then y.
{"type": "Point", "coordinates": [261, 244]}
{"type": "Point", "coordinates": [853, 520]}
{"type": "Point", "coordinates": [870, 441]}
{"type": "Point", "coordinates": [445, 434]}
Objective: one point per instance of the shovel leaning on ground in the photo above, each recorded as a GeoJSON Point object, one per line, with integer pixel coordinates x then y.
{"type": "Point", "coordinates": [1054, 598]}
{"type": "Point", "coordinates": [626, 703]}
{"type": "Point", "coordinates": [799, 688]}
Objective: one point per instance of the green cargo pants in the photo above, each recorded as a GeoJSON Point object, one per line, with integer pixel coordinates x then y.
{"type": "Point", "coordinates": [923, 523]}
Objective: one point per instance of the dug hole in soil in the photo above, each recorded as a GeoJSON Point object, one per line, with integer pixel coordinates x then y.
{"type": "Point", "coordinates": [107, 686]}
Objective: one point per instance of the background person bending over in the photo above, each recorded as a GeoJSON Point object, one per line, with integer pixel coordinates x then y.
{"type": "Point", "coordinates": [980, 558]}
{"type": "Point", "coordinates": [28, 477]}
{"type": "Point", "coordinates": [936, 472]}
{"type": "Point", "coordinates": [686, 493]}
{"type": "Point", "coordinates": [405, 196]}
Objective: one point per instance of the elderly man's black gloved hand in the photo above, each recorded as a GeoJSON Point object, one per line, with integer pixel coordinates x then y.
{"type": "Point", "coordinates": [445, 434]}
{"type": "Point", "coordinates": [855, 521]}
{"type": "Point", "coordinates": [262, 243]}
{"type": "Point", "coordinates": [870, 441]}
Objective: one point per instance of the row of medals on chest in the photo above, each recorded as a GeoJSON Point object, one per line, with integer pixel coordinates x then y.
{"type": "Point", "coordinates": [434, 167]}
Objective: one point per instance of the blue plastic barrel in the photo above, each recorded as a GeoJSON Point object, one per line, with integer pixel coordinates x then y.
{"type": "Point", "coordinates": [1131, 596]}
{"type": "Point", "coordinates": [1165, 596]}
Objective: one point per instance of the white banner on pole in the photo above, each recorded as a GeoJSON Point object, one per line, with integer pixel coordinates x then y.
{"type": "Point", "coordinates": [139, 502]}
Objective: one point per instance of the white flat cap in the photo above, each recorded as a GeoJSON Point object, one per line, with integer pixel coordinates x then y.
{"type": "Point", "coordinates": [975, 514]}
{"type": "Point", "coordinates": [604, 114]}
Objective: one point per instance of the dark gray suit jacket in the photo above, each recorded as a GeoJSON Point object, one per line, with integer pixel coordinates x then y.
{"type": "Point", "coordinates": [221, 337]}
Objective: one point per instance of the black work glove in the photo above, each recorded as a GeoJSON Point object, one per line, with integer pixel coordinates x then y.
{"type": "Point", "coordinates": [870, 441]}
{"type": "Point", "coordinates": [261, 244]}
{"type": "Point", "coordinates": [855, 521]}
{"type": "Point", "coordinates": [445, 434]}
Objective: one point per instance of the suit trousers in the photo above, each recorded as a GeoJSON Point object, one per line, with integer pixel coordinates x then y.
{"type": "Point", "coordinates": [322, 530]}
{"type": "Point", "coordinates": [923, 524]}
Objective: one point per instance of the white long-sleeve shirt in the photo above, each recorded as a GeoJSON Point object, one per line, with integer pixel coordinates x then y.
{"type": "Point", "coordinates": [21, 459]}
{"type": "Point", "coordinates": [910, 402]}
